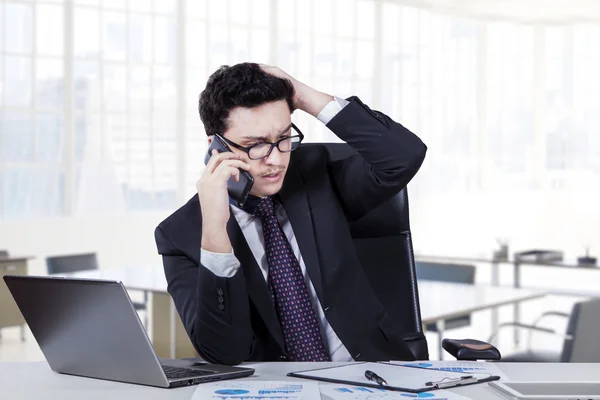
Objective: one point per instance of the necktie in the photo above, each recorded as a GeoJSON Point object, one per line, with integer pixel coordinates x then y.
{"type": "Point", "coordinates": [297, 318]}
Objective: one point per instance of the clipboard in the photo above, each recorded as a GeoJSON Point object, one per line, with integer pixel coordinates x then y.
{"type": "Point", "coordinates": [399, 378]}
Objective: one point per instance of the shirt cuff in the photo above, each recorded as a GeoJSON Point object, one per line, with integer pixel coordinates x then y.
{"type": "Point", "coordinates": [332, 109]}
{"type": "Point", "coordinates": [224, 265]}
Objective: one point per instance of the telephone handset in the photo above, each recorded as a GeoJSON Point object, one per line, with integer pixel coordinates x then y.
{"type": "Point", "coordinates": [239, 190]}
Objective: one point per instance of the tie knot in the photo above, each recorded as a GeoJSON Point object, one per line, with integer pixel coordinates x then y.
{"type": "Point", "coordinates": [265, 208]}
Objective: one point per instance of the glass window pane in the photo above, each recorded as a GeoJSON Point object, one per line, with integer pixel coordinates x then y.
{"type": "Point", "coordinates": [140, 39]}
{"type": "Point", "coordinates": [139, 5]}
{"type": "Point", "coordinates": [115, 86]}
{"type": "Point", "coordinates": [139, 90]}
{"type": "Point", "coordinates": [2, 23]}
{"type": "Point", "coordinates": [87, 33]}
{"type": "Point", "coordinates": [165, 41]}
{"type": "Point", "coordinates": [240, 11]}
{"type": "Point", "coordinates": [17, 81]}
{"type": "Point", "coordinates": [196, 8]}
{"type": "Point", "coordinates": [323, 17]}
{"type": "Point", "coordinates": [87, 85]}
{"type": "Point", "coordinates": [217, 11]}
{"type": "Point", "coordinates": [86, 126]}
{"type": "Point", "coordinates": [19, 136]}
{"type": "Point", "coordinates": [165, 96]}
{"type": "Point", "coordinates": [366, 27]}
{"type": "Point", "coordinates": [344, 17]}
{"type": "Point", "coordinates": [18, 28]}
{"type": "Point", "coordinates": [286, 14]}
{"type": "Point", "coordinates": [219, 47]}
{"type": "Point", "coordinates": [114, 4]}
{"type": "Point", "coordinates": [165, 6]}
{"type": "Point", "coordinates": [195, 43]}
{"type": "Point", "coordinates": [49, 84]}
{"type": "Point", "coordinates": [113, 29]}
{"type": "Point", "coordinates": [365, 52]}
{"type": "Point", "coordinates": [260, 50]}
{"type": "Point", "coordinates": [49, 137]}
{"type": "Point", "coordinates": [34, 192]}
{"type": "Point", "coordinates": [261, 12]}
{"type": "Point", "coordinates": [240, 44]}
{"type": "Point", "coordinates": [49, 30]}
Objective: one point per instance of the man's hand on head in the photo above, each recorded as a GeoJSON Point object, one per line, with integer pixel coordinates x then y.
{"type": "Point", "coordinates": [306, 98]}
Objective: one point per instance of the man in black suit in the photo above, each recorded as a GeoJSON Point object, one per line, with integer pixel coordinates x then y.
{"type": "Point", "coordinates": [278, 278]}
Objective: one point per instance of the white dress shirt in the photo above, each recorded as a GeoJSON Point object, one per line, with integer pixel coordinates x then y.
{"type": "Point", "coordinates": [226, 265]}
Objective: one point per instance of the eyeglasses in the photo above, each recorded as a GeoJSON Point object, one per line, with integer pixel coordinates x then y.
{"type": "Point", "coordinates": [263, 149]}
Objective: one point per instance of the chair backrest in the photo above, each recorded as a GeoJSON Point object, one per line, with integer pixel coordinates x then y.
{"type": "Point", "coordinates": [382, 238]}
{"type": "Point", "coordinates": [71, 263]}
{"type": "Point", "coordinates": [4, 254]}
{"type": "Point", "coordinates": [583, 327]}
{"type": "Point", "coordinates": [446, 272]}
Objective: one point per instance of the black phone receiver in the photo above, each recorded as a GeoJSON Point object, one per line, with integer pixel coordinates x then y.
{"type": "Point", "coordinates": [239, 190]}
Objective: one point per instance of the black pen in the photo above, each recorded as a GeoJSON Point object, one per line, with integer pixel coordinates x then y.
{"type": "Point", "coordinates": [372, 376]}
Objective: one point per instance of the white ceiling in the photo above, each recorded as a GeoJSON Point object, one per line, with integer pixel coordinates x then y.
{"type": "Point", "coordinates": [531, 11]}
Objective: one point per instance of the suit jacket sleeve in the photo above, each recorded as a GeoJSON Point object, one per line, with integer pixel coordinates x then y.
{"type": "Point", "coordinates": [214, 310]}
{"type": "Point", "coordinates": [389, 156]}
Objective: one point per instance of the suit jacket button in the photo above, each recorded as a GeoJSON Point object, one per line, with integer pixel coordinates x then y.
{"type": "Point", "coordinates": [220, 299]}
{"type": "Point", "coordinates": [282, 358]}
{"type": "Point", "coordinates": [220, 292]}
{"type": "Point", "coordinates": [221, 306]}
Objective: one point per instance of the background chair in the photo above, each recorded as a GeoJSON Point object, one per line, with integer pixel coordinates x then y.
{"type": "Point", "coordinates": [580, 342]}
{"type": "Point", "coordinates": [86, 262]}
{"type": "Point", "coordinates": [3, 253]}
{"type": "Point", "coordinates": [383, 238]}
{"type": "Point", "coordinates": [447, 272]}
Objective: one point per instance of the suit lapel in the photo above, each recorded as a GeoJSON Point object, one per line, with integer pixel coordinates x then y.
{"type": "Point", "coordinates": [259, 292]}
{"type": "Point", "coordinates": [295, 203]}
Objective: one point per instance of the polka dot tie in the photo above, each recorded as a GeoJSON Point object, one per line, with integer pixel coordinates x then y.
{"type": "Point", "coordinates": [298, 320]}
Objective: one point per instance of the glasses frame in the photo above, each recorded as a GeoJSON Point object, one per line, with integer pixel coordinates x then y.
{"type": "Point", "coordinates": [273, 145]}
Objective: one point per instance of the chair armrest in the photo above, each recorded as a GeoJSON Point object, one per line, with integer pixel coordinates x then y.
{"type": "Point", "coordinates": [530, 328]}
{"type": "Point", "coordinates": [470, 349]}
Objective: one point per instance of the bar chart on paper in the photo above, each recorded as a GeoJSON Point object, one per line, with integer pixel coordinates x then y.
{"type": "Point", "coordinates": [257, 390]}
{"type": "Point", "coordinates": [470, 367]}
{"type": "Point", "coordinates": [337, 392]}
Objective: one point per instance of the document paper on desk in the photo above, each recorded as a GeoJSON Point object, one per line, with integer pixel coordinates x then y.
{"type": "Point", "coordinates": [467, 367]}
{"type": "Point", "coordinates": [397, 377]}
{"type": "Point", "coordinates": [243, 390]}
{"type": "Point", "coordinates": [342, 392]}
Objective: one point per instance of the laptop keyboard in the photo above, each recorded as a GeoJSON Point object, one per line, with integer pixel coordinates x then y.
{"type": "Point", "coordinates": [179, 373]}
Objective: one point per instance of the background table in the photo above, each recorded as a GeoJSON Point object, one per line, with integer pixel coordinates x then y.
{"type": "Point", "coordinates": [439, 301]}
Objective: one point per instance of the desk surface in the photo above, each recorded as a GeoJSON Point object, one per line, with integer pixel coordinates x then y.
{"type": "Point", "coordinates": [438, 299]}
{"type": "Point", "coordinates": [20, 381]}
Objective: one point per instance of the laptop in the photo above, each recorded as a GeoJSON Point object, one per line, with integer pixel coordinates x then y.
{"type": "Point", "coordinates": [90, 328]}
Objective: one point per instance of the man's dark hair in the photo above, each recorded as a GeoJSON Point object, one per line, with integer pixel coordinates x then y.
{"type": "Point", "coordinates": [241, 85]}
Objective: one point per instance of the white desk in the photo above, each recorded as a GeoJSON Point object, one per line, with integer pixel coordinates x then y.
{"type": "Point", "coordinates": [170, 340]}
{"type": "Point", "coordinates": [24, 381]}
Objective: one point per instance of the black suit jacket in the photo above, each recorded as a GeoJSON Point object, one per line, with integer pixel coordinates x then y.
{"type": "Point", "coordinates": [231, 320]}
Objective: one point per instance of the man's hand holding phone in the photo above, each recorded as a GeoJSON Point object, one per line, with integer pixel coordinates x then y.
{"type": "Point", "coordinates": [214, 199]}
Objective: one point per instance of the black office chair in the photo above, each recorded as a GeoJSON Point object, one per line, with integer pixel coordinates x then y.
{"type": "Point", "coordinates": [383, 237]}
{"type": "Point", "coordinates": [86, 262]}
{"type": "Point", "coordinates": [447, 272]}
{"type": "Point", "coordinates": [580, 341]}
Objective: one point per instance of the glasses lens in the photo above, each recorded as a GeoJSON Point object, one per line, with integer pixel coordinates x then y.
{"type": "Point", "coordinates": [259, 151]}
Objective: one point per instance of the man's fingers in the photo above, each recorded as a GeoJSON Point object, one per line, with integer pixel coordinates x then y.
{"type": "Point", "coordinates": [216, 159]}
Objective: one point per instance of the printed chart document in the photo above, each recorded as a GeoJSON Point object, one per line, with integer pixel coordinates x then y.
{"type": "Point", "coordinates": [257, 390]}
{"type": "Point", "coordinates": [470, 367]}
{"type": "Point", "coordinates": [341, 392]}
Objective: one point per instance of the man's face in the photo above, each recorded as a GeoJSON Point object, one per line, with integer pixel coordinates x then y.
{"type": "Point", "coordinates": [267, 123]}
